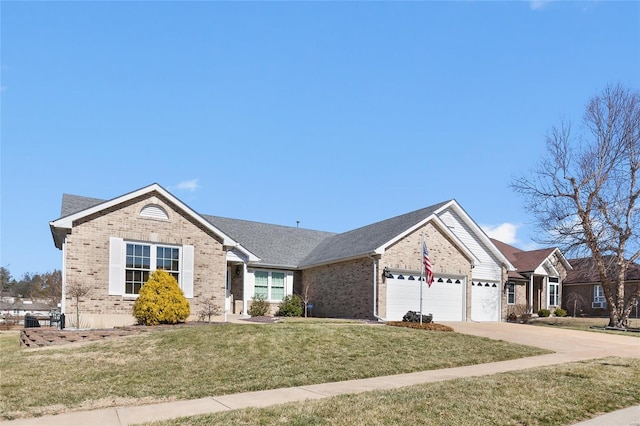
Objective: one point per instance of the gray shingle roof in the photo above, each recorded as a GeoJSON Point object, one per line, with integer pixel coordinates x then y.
{"type": "Point", "coordinates": [366, 239]}
{"type": "Point", "coordinates": [290, 247]}
{"type": "Point", "coordinates": [275, 245]}
{"type": "Point", "coordinates": [74, 203]}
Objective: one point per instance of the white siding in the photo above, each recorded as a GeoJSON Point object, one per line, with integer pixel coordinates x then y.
{"type": "Point", "coordinates": [487, 267]}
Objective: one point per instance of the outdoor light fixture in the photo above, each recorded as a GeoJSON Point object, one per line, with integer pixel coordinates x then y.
{"type": "Point", "coordinates": [386, 273]}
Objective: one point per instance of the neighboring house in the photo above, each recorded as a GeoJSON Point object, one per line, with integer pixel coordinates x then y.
{"type": "Point", "coordinates": [583, 293]}
{"type": "Point", "coordinates": [538, 279]}
{"type": "Point", "coordinates": [370, 272]}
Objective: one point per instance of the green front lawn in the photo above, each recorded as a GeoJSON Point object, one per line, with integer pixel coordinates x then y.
{"type": "Point", "coordinates": [557, 395]}
{"type": "Point", "coordinates": [586, 324]}
{"type": "Point", "coordinates": [193, 362]}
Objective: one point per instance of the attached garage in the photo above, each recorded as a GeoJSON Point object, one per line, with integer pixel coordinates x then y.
{"type": "Point", "coordinates": [444, 299]}
{"type": "Point", "coordinates": [485, 301]}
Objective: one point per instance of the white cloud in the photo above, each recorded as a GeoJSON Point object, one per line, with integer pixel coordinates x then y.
{"type": "Point", "coordinates": [505, 232]}
{"type": "Point", "coordinates": [188, 185]}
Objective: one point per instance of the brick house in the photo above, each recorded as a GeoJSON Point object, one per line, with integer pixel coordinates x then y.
{"type": "Point", "coordinates": [374, 271]}
{"type": "Point", "coordinates": [538, 280]}
{"type": "Point", "coordinates": [583, 293]}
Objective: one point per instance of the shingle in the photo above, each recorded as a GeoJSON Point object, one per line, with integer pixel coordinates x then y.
{"type": "Point", "coordinates": [366, 239]}
{"type": "Point", "coordinates": [74, 203]}
{"type": "Point", "coordinates": [275, 245]}
{"type": "Point", "coordinates": [290, 247]}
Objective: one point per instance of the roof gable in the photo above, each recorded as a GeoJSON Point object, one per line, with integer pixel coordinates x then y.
{"type": "Point", "coordinates": [529, 261]}
{"type": "Point", "coordinates": [77, 207]}
{"type": "Point", "coordinates": [367, 239]}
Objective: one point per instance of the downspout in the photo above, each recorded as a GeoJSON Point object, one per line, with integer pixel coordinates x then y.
{"type": "Point", "coordinates": [375, 288]}
{"type": "Point", "coordinates": [63, 296]}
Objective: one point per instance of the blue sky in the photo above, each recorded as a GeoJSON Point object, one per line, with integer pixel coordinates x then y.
{"type": "Point", "coordinates": [334, 114]}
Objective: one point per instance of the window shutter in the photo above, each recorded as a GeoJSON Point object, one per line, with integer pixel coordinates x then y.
{"type": "Point", "coordinates": [116, 266]}
{"type": "Point", "coordinates": [187, 271]}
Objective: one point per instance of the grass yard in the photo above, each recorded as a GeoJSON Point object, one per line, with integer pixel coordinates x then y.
{"type": "Point", "coordinates": [558, 395]}
{"type": "Point", "coordinates": [193, 362]}
{"type": "Point", "coordinates": [585, 324]}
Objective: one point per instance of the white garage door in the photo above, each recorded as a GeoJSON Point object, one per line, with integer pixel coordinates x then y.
{"type": "Point", "coordinates": [444, 299]}
{"type": "Point", "coordinates": [485, 301]}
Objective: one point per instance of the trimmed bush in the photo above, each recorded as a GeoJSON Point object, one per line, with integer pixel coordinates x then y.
{"type": "Point", "coordinates": [424, 326]}
{"type": "Point", "coordinates": [413, 316]}
{"type": "Point", "coordinates": [259, 307]}
{"type": "Point", "coordinates": [291, 306]}
{"type": "Point", "coordinates": [543, 313]}
{"type": "Point", "coordinates": [161, 301]}
{"type": "Point", "coordinates": [559, 312]}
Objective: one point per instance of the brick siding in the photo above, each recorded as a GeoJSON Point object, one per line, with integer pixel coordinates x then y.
{"type": "Point", "coordinates": [87, 258]}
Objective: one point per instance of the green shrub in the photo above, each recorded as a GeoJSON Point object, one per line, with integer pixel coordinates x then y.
{"type": "Point", "coordinates": [543, 313]}
{"type": "Point", "coordinates": [259, 307]}
{"type": "Point", "coordinates": [559, 312]}
{"type": "Point", "coordinates": [291, 306]}
{"type": "Point", "coordinates": [161, 301]}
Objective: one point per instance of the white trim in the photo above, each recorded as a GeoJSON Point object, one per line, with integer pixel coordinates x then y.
{"type": "Point", "coordinates": [478, 231]}
{"type": "Point", "coordinates": [67, 221]}
{"type": "Point", "coordinates": [443, 228]}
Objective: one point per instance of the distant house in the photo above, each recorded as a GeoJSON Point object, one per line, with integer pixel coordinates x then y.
{"type": "Point", "coordinates": [539, 277]}
{"type": "Point", "coordinates": [371, 272]}
{"type": "Point", "coordinates": [583, 293]}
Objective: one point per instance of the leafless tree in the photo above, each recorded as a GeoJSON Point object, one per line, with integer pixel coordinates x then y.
{"type": "Point", "coordinates": [584, 193]}
{"type": "Point", "coordinates": [306, 296]}
{"type": "Point", "coordinates": [209, 309]}
{"type": "Point", "coordinates": [77, 291]}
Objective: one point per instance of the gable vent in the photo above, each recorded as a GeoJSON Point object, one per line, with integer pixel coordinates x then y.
{"type": "Point", "coordinates": [153, 211]}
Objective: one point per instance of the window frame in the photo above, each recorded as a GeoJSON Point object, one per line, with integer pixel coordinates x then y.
{"type": "Point", "coordinates": [511, 292]}
{"type": "Point", "coordinates": [153, 263]}
{"type": "Point", "coordinates": [599, 296]}
{"type": "Point", "coordinates": [556, 294]}
{"type": "Point", "coordinates": [270, 284]}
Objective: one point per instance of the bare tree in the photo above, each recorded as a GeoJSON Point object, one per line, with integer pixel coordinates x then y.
{"type": "Point", "coordinates": [77, 291]}
{"type": "Point", "coordinates": [584, 193]}
{"type": "Point", "coordinates": [209, 309]}
{"type": "Point", "coordinates": [306, 296]}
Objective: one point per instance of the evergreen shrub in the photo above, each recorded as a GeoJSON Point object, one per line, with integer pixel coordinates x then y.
{"type": "Point", "coordinates": [559, 312]}
{"type": "Point", "coordinates": [259, 307]}
{"type": "Point", "coordinates": [291, 306]}
{"type": "Point", "coordinates": [161, 301]}
{"type": "Point", "coordinates": [543, 313]}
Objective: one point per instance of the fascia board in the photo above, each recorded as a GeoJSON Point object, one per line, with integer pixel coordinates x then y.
{"type": "Point", "coordinates": [453, 204]}
{"type": "Point", "coordinates": [564, 260]}
{"type": "Point", "coordinates": [343, 259]}
{"type": "Point", "coordinates": [383, 247]}
{"type": "Point", "coordinates": [67, 221]}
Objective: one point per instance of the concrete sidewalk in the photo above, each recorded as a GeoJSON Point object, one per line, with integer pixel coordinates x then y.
{"type": "Point", "coordinates": [570, 346]}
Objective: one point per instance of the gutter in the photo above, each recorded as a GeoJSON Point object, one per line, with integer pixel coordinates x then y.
{"type": "Point", "coordinates": [375, 288]}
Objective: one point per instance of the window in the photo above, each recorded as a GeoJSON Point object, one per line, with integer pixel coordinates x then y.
{"type": "Point", "coordinates": [599, 300]}
{"type": "Point", "coordinates": [511, 293]}
{"type": "Point", "coordinates": [554, 291]}
{"type": "Point", "coordinates": [262, 284]}
{"type": "Point", "coordinates": [277, 285]}
{"type": "Point", "coordinates": [270, 285]}
{"type": "Point", "coordinates": [142, 259]}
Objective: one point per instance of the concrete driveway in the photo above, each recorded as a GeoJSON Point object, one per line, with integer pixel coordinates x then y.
{"type": "Point", "coordinates": [574, 344]}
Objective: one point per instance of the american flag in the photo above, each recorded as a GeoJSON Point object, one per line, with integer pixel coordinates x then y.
{"type": "Point", "coordinates": [428, 270]}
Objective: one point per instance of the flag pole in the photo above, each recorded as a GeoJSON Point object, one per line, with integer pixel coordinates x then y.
{"type": "Point", "coordinates": [421, 272]}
